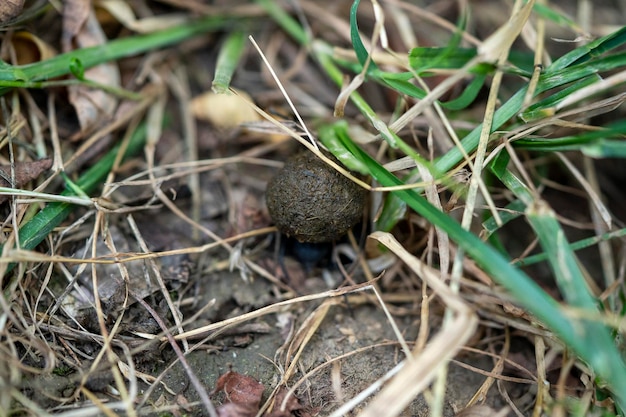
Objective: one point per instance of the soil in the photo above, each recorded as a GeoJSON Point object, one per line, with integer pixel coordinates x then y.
{"type": "Point", "coordinates": [360, 331]}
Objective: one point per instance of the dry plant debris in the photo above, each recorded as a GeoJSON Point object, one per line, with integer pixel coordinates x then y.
{"type": "Point", "coordinates": [480, 146]}
{"type": "Point", "coordinates": [243, 394]}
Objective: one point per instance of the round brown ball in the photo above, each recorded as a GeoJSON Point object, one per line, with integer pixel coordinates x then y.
{"type": "Point", "coordinates": [312, 202]}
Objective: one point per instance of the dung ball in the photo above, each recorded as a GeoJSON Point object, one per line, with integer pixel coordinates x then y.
{"type": "Point", "coordinates": [312, 202]}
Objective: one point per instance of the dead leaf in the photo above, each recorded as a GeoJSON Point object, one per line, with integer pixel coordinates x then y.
{"type": "Point", "coordinates": [236, 410]}
{"type": "Point", "coordinates": [124, 14]}
{"type": "Point", "coordinates": [224, 111]}
{"type": "Point", "coordinates": [30, 48]}
{"type": "Point", "coordinates": [81, 29]}
{"type": "Point", "coordinates": [25, 172]}
{"type": "Point", "coordinates": [75, 14]}
{"type": "Point", "coordinates": [248, 212]}
{"type": "Point", "coordinates": [243, 393]}
{"type": "Point", "coordinates": [292, 407]}
{"type": "Point", "coordinates": [10, 9]}
{"type": "Point", "coordinates": [240, 389]}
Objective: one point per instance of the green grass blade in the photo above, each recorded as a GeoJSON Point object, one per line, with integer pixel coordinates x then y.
{"type": "Point", "coordinates": [558, 18]}
{"type": "Point", "coordinates": [228, 61]}
{"type": "Point", "coordinates": [355, 37]}
{"type": "Point", "coordinates": [424, 58]}
{"type": "Point", "coordinates": [590, 50]}
{"type": "Point", "coordinates": [545, 108]}
{"type": "Point", "coordinates": [329, 136]}
{"type": "Point", "coordinates": [394, 210]}
{"type": "Point", "coordinates": [292, 27]}
{"type": "Point", "coordinates": [468, 96]}
{"type": "Point", "coordinates": [402, 86]}
{"type": "Point", "coordinates": [61, 65]}
{"type": "Point", "coordinates": [605, 148]}
{"type": "Point", "coordinates": [592, 340]}
{"type": "Point", "coordinates": [597, 141]}
{"type": "Point", "coordinates": [511, 212]}
{"type": "Point", "coordinates": [508, 110]}
{"type": "Point", "coordinates": [553, 79]}
{"type": "Point", "coordinates": [445, 55]}
{"type": "Point", "coordinates": [598, 351]}
{"type": "Point", "coordinates": [578, 245]}
{"type": "Point", "coordinates": [550, 80]}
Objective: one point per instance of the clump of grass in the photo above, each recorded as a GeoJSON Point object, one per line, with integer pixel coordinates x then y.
{"type": "Point", "coordinates": [544, 101]}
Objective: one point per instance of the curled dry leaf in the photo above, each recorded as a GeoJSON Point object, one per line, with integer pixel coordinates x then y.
{"type": "Point", "coordinates": [25, 172]}
{"type": "Point", "coordinates": [124, 14]}
{"type": "Point", "coordinates": [236, 410]}
{"type": "Point", "coordinates": [10, 9]}
{"type": "Point", "coordinates": [241, 390]}
{"type": "Point", "coordinates": [224, 111]}
{"type": "Point", "coordinates": [244, 394]}
{"type": "Point", "coordinates": [82, 29]}
{"type": "Point", "coordinates": [30, 48]}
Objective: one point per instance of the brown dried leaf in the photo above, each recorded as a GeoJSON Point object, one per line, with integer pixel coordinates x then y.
{"type": "Point", "coordinates": [81, 29]}
{"type": "Point", "coordinates": [292, 407]}
{"type": "Point", "coordinates": [236, 410]}
{"type": "Point", "coordinates": [10, 9]}
{"type": "Point", "coordinates": [25, 172]}
{"type": "Point", "coordinates": [124, 14]}
{"type": "Point", "coordinates": [30, 48]}
{"type": "Point", "coordinates": [75, 14]}
{"type": "Point", "coordinates": [240, 389]}
{"type": "Point", "coordinates": [224, 111]}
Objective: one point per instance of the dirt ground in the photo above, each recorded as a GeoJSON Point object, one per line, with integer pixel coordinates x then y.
{"type": "Point", "coordinates": [357, 333]}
